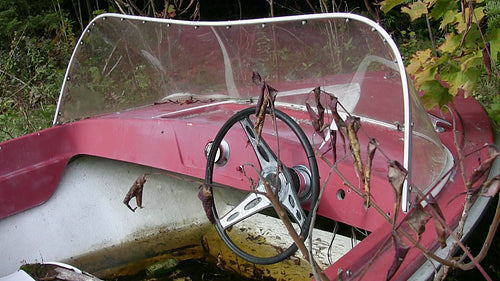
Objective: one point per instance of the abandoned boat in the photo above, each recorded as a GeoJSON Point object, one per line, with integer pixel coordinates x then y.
{"type": "Point", "coordinates": [314, 112]}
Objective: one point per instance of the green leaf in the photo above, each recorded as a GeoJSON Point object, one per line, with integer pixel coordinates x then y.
{"type": "Point", "coordinates": [472, 80]}
{"type": "Point", "coordinates": [494, 109]}
{"type": "Point", "coordinates": [423, 56]}
{"type": "Point", "coordinates": [456, 81]}
{"type": "Point", "coordinates": [415, 10]}
{"type": "Point", "coordinates": [171, 9]}
{"type": "Point", "coordinates": [449, 17]}
{"type": "Point", "coordinates": [473, 40]}
{"type": "Point", "coordinates": [435, 94]}
{"type": "Point", "coordinates": [419, 61]}
{"type": "Point", "coordinates": [387, 5]}
{"type": "Point", "coordinates": [428, 73]}
{"type": "Point", "coordinates": [441, 7]}
{"type": "Point", "coordinates": [461, 25]}
{"type": "Point", "coordinates": [443, 59]}
{"type": "Point", "coordinates": [479, 13]}
{"type": "Point", "coordinates": [493, 36]}
{"type": "Point", "coordinates": [474, 59]}
{"type": "Point", "coordinates": [451, 43]}
{"type": "Point", "coordinates": [459, 78]}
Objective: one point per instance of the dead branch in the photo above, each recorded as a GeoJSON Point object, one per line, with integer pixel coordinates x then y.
{"type": "Point", "coordinates": [299, 240]}
{"type": "Point", "coordinates": [438, 217]}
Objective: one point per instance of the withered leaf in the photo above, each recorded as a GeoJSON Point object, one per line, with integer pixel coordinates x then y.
{"type": "Point", "coordinates": [418, 219]}
{"type": "Point", "coordinates": [483, 168]}
{"type": "Point", "coordinates": [333, 143]}
{"type": "Point", "coordinates": [321, 110]}
{"type": "Point", "coordinates": [220, 262]}
{"type": "Point", "coordinates": [267, 98]}
{"type": "Point", "coordinates": [342, 127]}
{"type": "Point", "coordinates": [315, 120]}
{"type": "Point", "coordinates": [135, 191]}
{"type": "Point", "coordinates": [397, 175]}
{"type": "Point", "coordinates": [207, 200]}
{"type": "Point", "coordinates": [401, 250]}
{"type": "Point", "coordinates": [352, 131]}
{"type": "Point", "coordinates": [261, 116]}
{"type": "Point", "coordinates": [372, 147]}
{"type": "Point", "coordinates": [272, 92]}
{"type": "Point", "coordinates": [492, 187]}
{"type": "Point", "coordinates": [438, 217]}
{"type": "Point", "coordinates": [256, 78]}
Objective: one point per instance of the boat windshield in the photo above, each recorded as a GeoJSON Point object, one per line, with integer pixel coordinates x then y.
{"type": "Point", "coordinates": [124, 62]}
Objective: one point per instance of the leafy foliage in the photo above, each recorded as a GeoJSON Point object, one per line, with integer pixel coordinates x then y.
{"type": "Point", "coordinates": [462, 57]}
{"type": "Point", "coordinates": [36, 45]}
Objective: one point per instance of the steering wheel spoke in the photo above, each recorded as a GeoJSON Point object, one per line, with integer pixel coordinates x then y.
{"type": "Point", "coordinates": [267, 159]}
{"type": "Point", "coordinates": [290, 200]}
{"type": "Point", "coordinates": [252, 204]}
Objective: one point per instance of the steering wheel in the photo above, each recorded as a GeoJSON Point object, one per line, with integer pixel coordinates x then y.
{"type": "Point", "coordinates": [293, 185]}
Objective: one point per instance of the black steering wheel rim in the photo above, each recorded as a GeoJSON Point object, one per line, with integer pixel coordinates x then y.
{"type": "Point", "coordinates": [311, 158]}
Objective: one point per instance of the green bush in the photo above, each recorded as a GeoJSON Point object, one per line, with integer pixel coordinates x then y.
{"type": "Point", "coordinates": [459, 61]}
{"type": "Point", "coordinates": [33, 57]}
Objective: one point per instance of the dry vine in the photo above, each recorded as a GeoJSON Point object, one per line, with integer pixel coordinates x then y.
{"type": "Point", "coordinates": [417, 217]}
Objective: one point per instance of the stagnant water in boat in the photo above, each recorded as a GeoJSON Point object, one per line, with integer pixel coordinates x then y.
{"type": "Point", "coordinates": [199, 252]}
{"type": "Point", "coordinates": [192, 269]}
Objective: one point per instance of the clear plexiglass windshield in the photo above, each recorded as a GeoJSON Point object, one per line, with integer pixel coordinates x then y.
{"type": "Point", "coordinates": [127, 62]}
{"type": "Point", "coordinates": [123, 62]}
